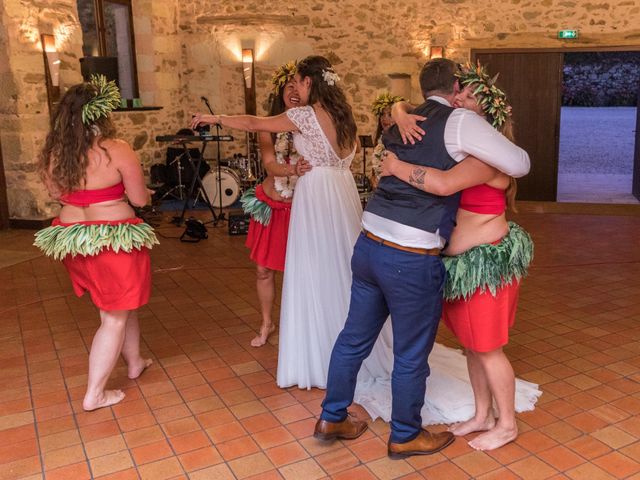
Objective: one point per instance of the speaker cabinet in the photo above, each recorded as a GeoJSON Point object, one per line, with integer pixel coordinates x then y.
{"type": "Point", "coordinates": [107, 66]}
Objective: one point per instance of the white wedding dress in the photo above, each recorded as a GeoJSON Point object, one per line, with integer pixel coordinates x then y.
{"type": "Point", "coordinates": [325, 224]}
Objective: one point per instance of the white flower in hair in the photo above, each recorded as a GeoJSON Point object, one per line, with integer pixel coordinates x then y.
{"type": "Point", "coordinates": [330, 77]}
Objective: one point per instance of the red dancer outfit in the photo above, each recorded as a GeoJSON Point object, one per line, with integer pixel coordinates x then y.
{"type": "Point", "coordinates": [268, 243]}
{"type": "Point", "coordinates": [483, 283]}
{"type": "Point", "coordinates": [108, 258]}
{"type": "Point", "coordinates": [269, 225]}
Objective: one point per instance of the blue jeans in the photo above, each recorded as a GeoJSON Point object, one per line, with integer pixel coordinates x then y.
{"type": "Point", "coordinates": [409, 287]}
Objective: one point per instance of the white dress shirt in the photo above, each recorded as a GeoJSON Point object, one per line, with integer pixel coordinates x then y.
{"type": "Point", "coordinates": [465, 133]}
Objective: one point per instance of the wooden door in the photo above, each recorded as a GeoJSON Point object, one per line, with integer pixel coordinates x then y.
{"type": "Point", "coordinates": [533, 84]}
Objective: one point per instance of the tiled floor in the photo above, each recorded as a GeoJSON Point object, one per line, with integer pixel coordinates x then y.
{"type": "Point", "coordinates": [209, 408]}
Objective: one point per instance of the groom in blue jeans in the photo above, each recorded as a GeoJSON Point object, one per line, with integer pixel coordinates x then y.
{"type": "Point", "coordinates": [397, 269]}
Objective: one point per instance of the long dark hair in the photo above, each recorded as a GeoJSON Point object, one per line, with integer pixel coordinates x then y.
{"type": "Point", "coordinates": [331, 97]}
{"type": "Point", "coordinates": [64, 157]}
{"type": "Point", "coordinates": [276, 106]}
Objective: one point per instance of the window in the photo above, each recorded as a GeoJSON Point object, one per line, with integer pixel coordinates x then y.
{"type": "Point", "coordinates": [108, 41]}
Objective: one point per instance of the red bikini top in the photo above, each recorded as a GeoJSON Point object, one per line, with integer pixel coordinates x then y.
{"type": "Point", "coordinates": [85, 198]}
{"type": "Point", "coordinates": [483, 199]}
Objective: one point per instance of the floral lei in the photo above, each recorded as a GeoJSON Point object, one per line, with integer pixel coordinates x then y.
{"type": "Point", "coordinates": [491, 99]}
{"type": "Point", "coordinates": [285, 154]}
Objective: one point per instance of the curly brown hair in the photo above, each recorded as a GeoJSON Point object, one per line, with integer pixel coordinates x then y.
{"type": "Point", "coordinates": [331, 97]}
{"type": "Point", "coordinates": [64, 157]}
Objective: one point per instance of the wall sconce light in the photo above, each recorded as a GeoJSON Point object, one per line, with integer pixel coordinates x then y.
{"type": "Point", "coordinates": [52, 58]}
{"type": "Point", "coordinates": [247, 66]}
{"type": "Point", "coordinates": [436, 51]}
{"type": "Point", "coordinates": [51, 70]}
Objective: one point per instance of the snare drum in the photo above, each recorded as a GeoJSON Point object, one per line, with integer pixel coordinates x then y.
{"type": "Point", "coordinates": [230, 186]}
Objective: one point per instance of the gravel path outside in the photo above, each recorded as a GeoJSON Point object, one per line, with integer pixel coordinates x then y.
{"type": "Point", "coordinates": [597, 140]}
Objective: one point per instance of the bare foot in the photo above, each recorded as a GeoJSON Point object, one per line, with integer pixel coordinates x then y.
{"type": "Point", "coordinates": [105, 399]}
{"type": "Point", "coordinates": [136, 368]}
{"type": "Point", "coordinates": [261, 339]}
{"type": "Point", "coordinates": [473, 425]}
{"type": "Point", "coordinates": [494, 438]}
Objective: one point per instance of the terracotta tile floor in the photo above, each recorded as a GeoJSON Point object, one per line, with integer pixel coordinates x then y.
{"type": "Point", "coordinates": [209, 409]}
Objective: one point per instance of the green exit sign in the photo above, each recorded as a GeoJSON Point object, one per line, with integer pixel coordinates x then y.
{"type": "Point", "coordinates": [568, 34]}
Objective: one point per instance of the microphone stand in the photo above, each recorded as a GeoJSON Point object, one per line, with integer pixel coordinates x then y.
{"type": "Point", "coordinates": [221, 216]}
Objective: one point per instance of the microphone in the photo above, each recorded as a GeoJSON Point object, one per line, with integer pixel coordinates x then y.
{"type": "Point", "coordinates": [206, 102]}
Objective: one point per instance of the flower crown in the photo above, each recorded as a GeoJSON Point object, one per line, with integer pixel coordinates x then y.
{"type": "Point", "coordinates": [491, 99]}
{"type": "Point", "coordinates": [106, 99]}
{"type": "Point", "coordinates": [330, 77]}
{"type": "Point", "coordinates": [384, 100]}
{"type": "Point", "coordinates": [282, 75]}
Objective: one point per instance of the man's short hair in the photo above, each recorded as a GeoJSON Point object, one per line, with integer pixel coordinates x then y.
{"type": "Point", "coordinates": [438, 76]}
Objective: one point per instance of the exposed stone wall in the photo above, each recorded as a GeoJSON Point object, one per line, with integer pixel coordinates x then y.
{"type": "Point", "coordinates": [601, 79]}
{"type": "Point", "coordinates": [24, 114]}
{"type": "Point", "coordinates": [369, 40]}
{"type": "Point", "coordinates": [190, 48]}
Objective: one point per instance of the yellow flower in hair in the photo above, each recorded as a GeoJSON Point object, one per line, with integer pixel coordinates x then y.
{"type": "Point", "coordinates": [282, 75]}
{"type": "Point", "coordinates": [384, 100]}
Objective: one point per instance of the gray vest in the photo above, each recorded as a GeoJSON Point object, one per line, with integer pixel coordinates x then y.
{"type": "Point", "coordinates": [402, 203]}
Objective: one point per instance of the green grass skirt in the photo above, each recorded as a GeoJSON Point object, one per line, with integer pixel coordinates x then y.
{"type": "Point", "coordinates": [58, 241]}
{"type": "Point", "coordinates": [260, 211]}
{"type": "Point", "coordinates": [488, 267]}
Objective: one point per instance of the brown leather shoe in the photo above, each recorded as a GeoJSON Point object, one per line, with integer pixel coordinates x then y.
{"type": "Point", "coordinates": [425, 443]}
{"type": "Point", "coordinates": [347, 429]}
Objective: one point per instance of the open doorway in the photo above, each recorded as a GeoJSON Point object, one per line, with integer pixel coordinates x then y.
{"type": "Point", "coordinates": [598, 127]}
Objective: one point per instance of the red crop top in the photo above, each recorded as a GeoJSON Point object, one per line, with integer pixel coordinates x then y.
{"type": "Point", "coordinates": [85, 198]}
{"type": "Point", "coordinates": [483, 199]}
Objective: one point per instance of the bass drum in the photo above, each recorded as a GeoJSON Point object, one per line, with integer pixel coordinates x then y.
{"type": "Point", "coordinates": [230, 186]}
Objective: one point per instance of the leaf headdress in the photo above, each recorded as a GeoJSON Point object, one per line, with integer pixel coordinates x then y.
{"type": "Point", "coordinates": [491, 99]}
{"type": "Point", "coordinates": [106, 99]}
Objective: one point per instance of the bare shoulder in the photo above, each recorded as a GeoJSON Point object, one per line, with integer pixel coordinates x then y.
{"type": "Point", "coordinates": [119, 150]}
{"type": "Point", "coordinates": [500, 181]}
{"type": "Point", "coordinates": [115, 144]}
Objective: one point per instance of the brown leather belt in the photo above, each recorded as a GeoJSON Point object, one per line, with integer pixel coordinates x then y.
{"type": "Point", "coordinates": [420, 251]}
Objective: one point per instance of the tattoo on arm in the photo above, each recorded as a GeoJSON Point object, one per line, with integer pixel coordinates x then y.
{"type": "Point", "coordinates": [417, 177]}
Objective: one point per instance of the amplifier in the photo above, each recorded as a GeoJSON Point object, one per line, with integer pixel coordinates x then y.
{"type": "Point", "coordinates": [238, 222]}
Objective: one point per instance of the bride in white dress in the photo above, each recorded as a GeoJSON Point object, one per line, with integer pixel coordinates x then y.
{"type": "Point", "coordinates": [324, 226]}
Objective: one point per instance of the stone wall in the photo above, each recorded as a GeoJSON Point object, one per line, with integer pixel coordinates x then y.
{"type": "Point", "coordinates": [604, 79]}
{"type": "Point", "coordinates": [190, 49]}
{"type": "Point", "coordinates": [24, 114]}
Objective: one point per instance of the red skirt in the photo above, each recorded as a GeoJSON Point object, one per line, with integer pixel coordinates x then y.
{"type": "Point", "coordinates": [268, 243]}
{"type": "Point", "coordinates": [115, 281]}
{"type": "Point", "coordinates": [482, 322]}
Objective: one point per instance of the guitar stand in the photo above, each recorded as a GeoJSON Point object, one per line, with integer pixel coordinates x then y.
{"type": "Point", "coordinates": [195, 166]}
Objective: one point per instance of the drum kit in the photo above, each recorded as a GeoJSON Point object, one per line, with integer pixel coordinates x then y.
{"type": "Point", "coordinates": [234, 178]}
{"type": "Point", "coordinates": [219, 187]}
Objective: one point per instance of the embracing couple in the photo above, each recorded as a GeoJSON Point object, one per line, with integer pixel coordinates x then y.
{"type": "Point", "coordinates": [395, 268]}
{"type": "Point", "coordinates": [398, 271]}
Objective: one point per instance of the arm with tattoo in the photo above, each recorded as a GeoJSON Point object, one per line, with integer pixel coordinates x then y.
{"type": "Point", "coordinates": [465, 174]}
{"type": "Point", "coordinates": [416, 178]}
